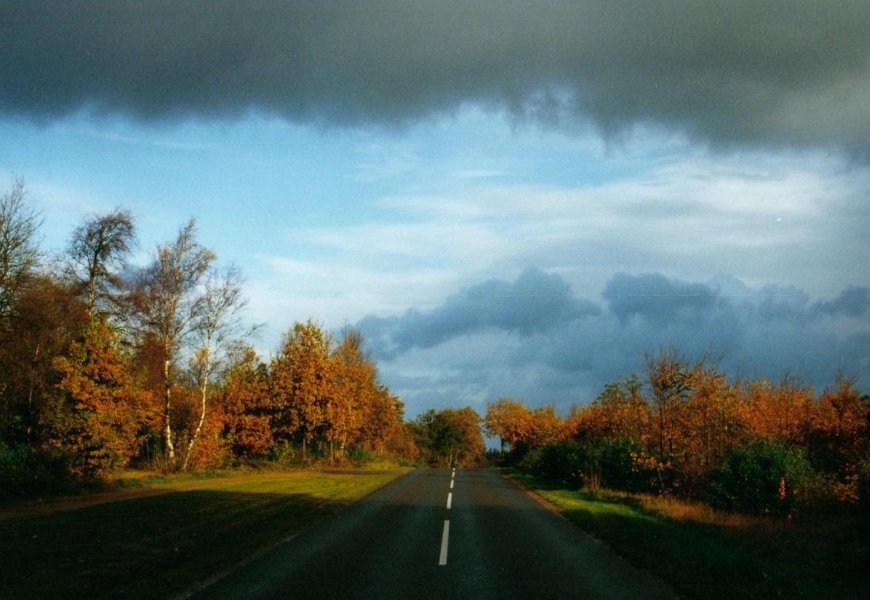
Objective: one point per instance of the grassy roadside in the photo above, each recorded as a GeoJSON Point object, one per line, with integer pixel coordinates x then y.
{"type": "Point", "coordinates": [704, 554]}
{"type": "Point", "coordinates": [159, 545]}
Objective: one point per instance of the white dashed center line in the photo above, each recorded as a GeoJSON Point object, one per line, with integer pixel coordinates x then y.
{"type": "Point", "coordinates": [445, 537]}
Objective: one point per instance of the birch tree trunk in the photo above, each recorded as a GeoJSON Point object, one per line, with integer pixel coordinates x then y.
{"type": "Point", "coordinates": [167, 417]}
{"type": "Point", "coordinates": [203, 400]}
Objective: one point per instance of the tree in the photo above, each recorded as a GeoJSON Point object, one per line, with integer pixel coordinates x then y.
{"type": "Point", "coordinates": [511, 421]}
{"type": "Point", "coordinates": [837, 440]}
{"type": "Point", "coordinates": [19, 251]}
{"type": "Point", "coordinates": [301, 384]}
{"type": "Point", "coordinates": [354, 390]}
{"type": "Point", "coordinates": [98, 251]}
{"type": "Point", "coordinates": [246, 405]}
{"type": "Point", "coordinates": [547, 427]}
{"type": "Point", "coordinates": [782, 411]}
{"type": "Point", "coordinates": [99, 428]}
{"type": "Point", "coordinates": [670, 380]}
{"type": "Point", "coordinates": [168, 304]}
{"type": "Point", "coordinates": [381, 429]}
{"type": "Point", "coordinates": [450, 436]}
{"type": "Point", "coordinates": [708, 428]}
{"type": "Point", "coordinates": [619, 412]}
{"type": "Point", "coordinates": [48, 317]}
{"type": "Point", "coordinates": [216, 326]}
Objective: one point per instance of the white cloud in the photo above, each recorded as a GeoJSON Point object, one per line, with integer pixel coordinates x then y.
{"type": "Point", "coordinates": [762, 219]}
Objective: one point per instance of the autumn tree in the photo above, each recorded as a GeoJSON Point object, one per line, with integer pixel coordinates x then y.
{"type": "Point", "coordinates": [301, 384]}
{"type": "Point", "coordinates": [168, 304]}
{"type": "Point", "coordinates": [511, 421]}
{"type": "Point", "coordinates": [382, 429]}
{"type": "Point", "coordinates": [354, 388]}
{"type": "Point", "coordinates": [670, 381]}
{"type": "Point", "coordinates": [48, 318]}
{"type": "Point", "coordinates": [98, 251]}
{"type": "Point", "coordinates": [837, 438]}
{"type": "Point", "coordinates": [99, 427]}
{"type": "Point", "coordinates": [522, 428]}
{"type": "Point", "coordinates": [620, 412]}
{"type": "Point", "coordinates": [450, 437]}
{"type": "Point", "coordinates": [780, 411]}
{"type": "Point", "coordinates": [244, 399]}
{"type": "Point", "coordinates": [19, 247]}
{"type": "Point", "coordinates": [709, 426]}
{"type": "Point", "coordinates": [546, 427]}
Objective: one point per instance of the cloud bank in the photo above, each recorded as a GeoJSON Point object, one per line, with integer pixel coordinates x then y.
{"type": "Point", "coordinates": [535, 339]}
{"type": "Point", "coordinates": [535, 302]}
{"type": "Point", "coordinates": [776, 73]}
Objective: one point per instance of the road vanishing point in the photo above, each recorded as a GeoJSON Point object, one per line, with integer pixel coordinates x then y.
{"type": "Point", "coordinates": [439, 534]}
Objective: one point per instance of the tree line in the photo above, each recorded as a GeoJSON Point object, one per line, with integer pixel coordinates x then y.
{"type": "Point", "coordinates": [103, 365]}
{"type": "Point", "coordinates": [686, 430]}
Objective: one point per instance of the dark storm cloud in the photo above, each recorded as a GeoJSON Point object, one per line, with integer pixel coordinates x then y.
{"type": "Point", "coordinates": [853, 302]}
{"type": "Point", "coordinates": [566, 350]}
{"type": "Point", "coordinates": [782, 73]}
{"type": "Point", "coordinates": [535, 302]}
{"type": "Point", "coordinates": [655, 297]}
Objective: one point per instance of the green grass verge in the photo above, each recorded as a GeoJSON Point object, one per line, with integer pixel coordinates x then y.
{"type": "Point", "coordinates": [727, 560]}
{"type": "Point", "coordinates": [158, 546]}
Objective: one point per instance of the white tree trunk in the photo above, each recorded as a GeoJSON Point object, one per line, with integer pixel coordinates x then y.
{"type": "Point", "coordinates": [203, 399]}
{"type": "Point", "coordinates": [167, 419]}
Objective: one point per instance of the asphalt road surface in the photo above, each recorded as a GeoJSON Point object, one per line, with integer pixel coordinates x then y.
{"type": "Point", "coordinates": [440, 534]}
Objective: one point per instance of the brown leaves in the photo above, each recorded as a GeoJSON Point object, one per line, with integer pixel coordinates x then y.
{"type": "Point", "coordinates": [100, 429]}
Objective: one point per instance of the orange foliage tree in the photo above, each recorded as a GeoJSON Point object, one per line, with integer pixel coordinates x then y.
{"type": "Point", "coordinates": [619, 412]}
{"type": "Point", "coordinates": [511, 421]}
{"type": "Point", "coordinates": [838, 436]}
{"type": "Point", "coordinates": [301, 384]}
{"type": "Point", "coordinates": [354, 388]}
{"type": "Point", "coordinates": [103, 401]}
{"type": "Point", "coordinates": [246, 407]}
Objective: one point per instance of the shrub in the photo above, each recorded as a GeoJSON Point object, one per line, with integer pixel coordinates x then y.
{"type": "Point", "coordinates": [618, 467]}
{"type": "Point", "coordinates": [359, 456]}
{"type": "Point", "coordinates": [608, 463]}
{"type": "Point", "coordinates": [563, 462]}
{"type": "Point", "coordinates": [27, 471]}
{"type": "Point", "coordinates": [762, 477]}
{"type": "Point", "coordinates": [284, 453]}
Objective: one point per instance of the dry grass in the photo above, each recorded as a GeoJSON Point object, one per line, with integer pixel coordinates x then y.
{"type": "Point", "coordinates": [697, 512]}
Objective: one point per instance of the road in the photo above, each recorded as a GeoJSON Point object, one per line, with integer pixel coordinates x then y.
{"type": "Point", "coordinates": [440, 534]}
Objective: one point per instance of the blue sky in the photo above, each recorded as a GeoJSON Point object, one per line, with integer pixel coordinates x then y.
{"type": "Point", "coordinates": [506, 201]}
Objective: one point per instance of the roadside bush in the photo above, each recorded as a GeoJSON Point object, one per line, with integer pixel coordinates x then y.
{"type": "Point", "coordinates": [563, 462]}
{"type": "Point", "coordinates": [284, 454]}
{"type": "Point", "coordinates": [27, 471]}
{"type": "Point", "coordinates": [531, 462]}
{"type": "Point", "coordinates": [359, 456]}
{"type": "Point", "coordinates": [612, 464]}
{"type": "Point", "coordinates": [762, 477]}
{"type": "Point", "coordinates": [617, 465]}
